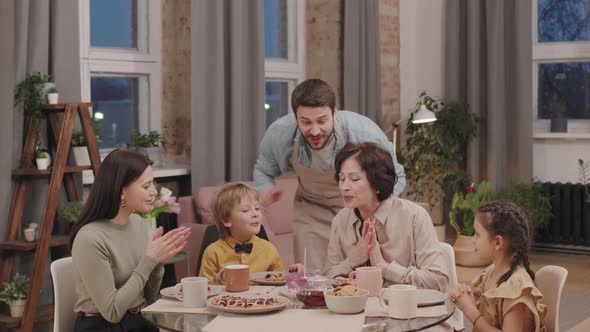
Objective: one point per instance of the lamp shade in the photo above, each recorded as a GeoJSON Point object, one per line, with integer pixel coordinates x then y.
{"type": "Point", "coordinates": [424, 115]}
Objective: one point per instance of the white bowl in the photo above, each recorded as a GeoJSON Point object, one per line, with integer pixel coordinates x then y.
{"type": "Point", "coordinates": [346, 304]}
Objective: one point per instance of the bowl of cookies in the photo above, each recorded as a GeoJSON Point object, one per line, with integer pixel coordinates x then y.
{"type": "Point", "coordinates": [346, 299]}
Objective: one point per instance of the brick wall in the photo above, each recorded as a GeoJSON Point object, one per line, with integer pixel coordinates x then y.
{"type": "Point", "coordinates": [324, 45]}
{"type": "Point", "coordinates": [176, 78]}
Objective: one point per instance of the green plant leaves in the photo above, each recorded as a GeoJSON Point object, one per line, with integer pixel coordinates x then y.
{"type": "Point", "coordinates": [16, 289]}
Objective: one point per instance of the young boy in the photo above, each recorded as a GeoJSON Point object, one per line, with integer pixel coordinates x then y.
{"type": "Point", "coordinates": [238, 216]}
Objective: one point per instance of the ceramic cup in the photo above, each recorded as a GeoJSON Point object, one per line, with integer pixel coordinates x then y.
{"type": "Point", "coordinates": [192, 291]}
{"type": "Point", "coordinates": [369, 278]}
{"type": "Point", "coordinates": [399, 301]}
{"type": "Point", "coordinates": [237, 277]}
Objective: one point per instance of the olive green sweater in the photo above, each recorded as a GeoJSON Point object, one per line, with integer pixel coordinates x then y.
{"type": "Point", "coordinates": [112, 272]}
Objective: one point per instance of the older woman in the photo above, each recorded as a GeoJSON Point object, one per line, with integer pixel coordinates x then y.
{"type": "Point", "coordinates": [377, 229]}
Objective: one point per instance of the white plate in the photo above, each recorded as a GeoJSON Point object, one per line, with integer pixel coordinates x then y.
{"type": "Point", "coordinates": [283, 301]}
{"type": "Point", "coordinates": [170, 292]}
{"type": "Point", "coordinates": [426, 297]}
{"type": "Point", "coordinates": [258, 277]}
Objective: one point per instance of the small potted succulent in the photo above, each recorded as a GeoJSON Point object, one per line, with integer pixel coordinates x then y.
{"type": "Point", "coordinates": [42, 159]}
{"type": "Point", "coordinates": [14, 293]}
{"type": "Point", "coordinates": [80, 148]}
{"type": "Point", "coordinates": [52, 96]}
{"type": "Point", "coordinates": [148, 144]}
{"type": "Point", "coordinates": [31, 232]}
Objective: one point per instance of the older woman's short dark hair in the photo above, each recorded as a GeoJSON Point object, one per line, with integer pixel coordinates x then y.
{"type": "Point", "coordinates": [375, 161]}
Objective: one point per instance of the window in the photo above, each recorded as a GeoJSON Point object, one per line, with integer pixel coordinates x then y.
{"type": "Point", "coordinates": [561, 60]}
{"type": "Point", "coordinates": [120, 57]}
{"type": "Point", "coordinates": [284, 52]}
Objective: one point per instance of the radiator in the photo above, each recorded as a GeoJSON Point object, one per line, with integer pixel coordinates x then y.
{"type": "Point", "coordinates": [570, 220]}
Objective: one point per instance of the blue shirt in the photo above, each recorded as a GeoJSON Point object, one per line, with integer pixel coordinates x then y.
{"type": "Point", "coordinates": [276, 148]}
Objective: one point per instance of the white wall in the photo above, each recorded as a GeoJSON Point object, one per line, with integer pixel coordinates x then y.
{"type": "Point", "coordinates": [556, 160]}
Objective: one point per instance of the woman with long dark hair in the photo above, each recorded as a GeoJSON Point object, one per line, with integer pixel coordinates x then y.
{"type": "Point", "coordinates": [117, 263]}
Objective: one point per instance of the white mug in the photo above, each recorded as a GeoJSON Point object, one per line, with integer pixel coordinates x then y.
{"type": "Point", "coordinates": [192, 291]}
{"type": "Point", "coordinates": [401, 301]}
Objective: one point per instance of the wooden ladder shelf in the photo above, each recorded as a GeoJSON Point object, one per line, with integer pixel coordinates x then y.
{"type": "Point", "coordinates": [61, 133]}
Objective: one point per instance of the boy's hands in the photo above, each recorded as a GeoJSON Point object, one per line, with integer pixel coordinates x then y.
{"type": "Point", "coordinates": [297, 267]}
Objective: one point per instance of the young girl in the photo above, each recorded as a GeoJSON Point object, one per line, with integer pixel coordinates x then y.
{"type": "Point", "coordinates": [503, 297]}
{"type": "Point", "coordinates": [238, 216]}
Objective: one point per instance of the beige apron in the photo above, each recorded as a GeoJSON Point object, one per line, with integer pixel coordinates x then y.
{"type": "Point", "coordinates": [317, 201]}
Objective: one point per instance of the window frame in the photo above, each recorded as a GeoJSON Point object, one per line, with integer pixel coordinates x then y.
{"type": "Point", "coordinates": [291, 70]}
{"type": "Point", "coordinates": [554, 52]}
{"type": "Point", "coordinates": [144, 61]}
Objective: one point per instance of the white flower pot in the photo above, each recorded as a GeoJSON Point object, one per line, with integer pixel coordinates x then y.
{"type": "Point", "coordinates": [81, 157]}
{"type": "Point", "coordinates": [17, 307]}
{"type": "Point", "coordinates": [30, 234]}
{"type": "Point", "coordinates": [154, 153]}
{"type": "Point", "coordinates": [42, 163]}
{"type": "Point", "coordinates": [52, 98]}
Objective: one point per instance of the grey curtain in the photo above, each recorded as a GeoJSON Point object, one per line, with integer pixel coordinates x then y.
{"type": "Point", "coordinates": [488, 65]}
{"type": "Point", "coordinates": [227, 118]}
{"type": "Point", "coordinates": [361, 72]}
{"type": "Point", "coordinates": [26, 30]}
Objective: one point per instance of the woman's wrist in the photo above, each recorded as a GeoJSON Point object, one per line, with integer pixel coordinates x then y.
{"type": "Point", "coordinates": [472, 314]}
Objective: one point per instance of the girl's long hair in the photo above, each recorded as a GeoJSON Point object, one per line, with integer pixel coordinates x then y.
{"type": "Point", "coordinates": [119, 169]}
{"type": "Point", "coordinates": [510, 221]}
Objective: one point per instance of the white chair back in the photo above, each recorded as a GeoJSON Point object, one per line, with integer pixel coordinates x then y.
{"type": "Point", "coordinates": [449, 255]}
{"type": "Point", "coordinates": [550, 280]}
{"type": "Point", "coordinates": [62, 272]}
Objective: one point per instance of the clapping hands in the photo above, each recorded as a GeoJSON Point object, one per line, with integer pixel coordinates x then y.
{"type": "Point", "coordinates": [161, 248]}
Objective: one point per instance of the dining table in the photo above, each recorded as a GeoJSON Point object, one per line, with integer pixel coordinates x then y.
{"type": "Point", "coordinates": [168, 314]}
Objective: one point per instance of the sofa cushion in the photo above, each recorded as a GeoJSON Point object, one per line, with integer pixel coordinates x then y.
{"type": "Point", "coordinates": [278, 216]}
{"type": "Point", "coordinates": [188, 214]}
{"type": "Point", "coordinates": [202, 201]}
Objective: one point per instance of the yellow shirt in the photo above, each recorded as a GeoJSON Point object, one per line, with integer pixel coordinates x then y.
{"type": "Point", "coordinates": [264, 257]}
{"type": "Point", "coordinates": [495, 303]}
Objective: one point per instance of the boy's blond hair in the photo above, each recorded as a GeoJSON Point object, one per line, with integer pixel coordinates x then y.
{"type": "Point", "coordinates": [229, 195]}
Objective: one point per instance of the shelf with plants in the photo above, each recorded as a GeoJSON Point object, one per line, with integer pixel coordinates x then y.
{"type": "Point", "coordinates": [30, 94]}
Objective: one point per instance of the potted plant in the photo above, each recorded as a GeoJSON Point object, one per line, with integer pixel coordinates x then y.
{"type": "Point", "coordinates": [79, 146]}
{"type": "Point", "coordinates": [558, 121]}
{"type": "Point", "coordinates": [31, 232]}
{"type": "Point", "coordinates": [52, 96]}
{"type": "Point", "coordinates": [14, 293]}
{"type": "Point", "coordinates": [42, 159]}
{"type": "Point", "coordinates": [464, 207]}
{"type": "Point", "coordinates": [584, 172]}
{"type": "Point", "coordinates": [32, 95]}
{"type": "Point", "coordinates": [148, 144]}
{"type": "Point", "coordinates": [66, 216]}
{"type": "Point", "coordinates": [435, 154]}
{"type": "Point", "coordinates": [530, 195]}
